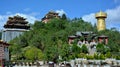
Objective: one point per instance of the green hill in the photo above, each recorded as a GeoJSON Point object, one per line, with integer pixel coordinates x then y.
{"type": "Point", "coordinates": [51, 41]}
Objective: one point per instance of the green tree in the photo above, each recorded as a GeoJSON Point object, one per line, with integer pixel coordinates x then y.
{"type": "Point", "coordinates": [65, 52]}
{"type": "Point", "coordinates": [64, 17]}
{"type": "Point", "coordinates": [84, 49]}
{"type": "Point", "coordinates": [38, 24]}
{"type": "Point", "coordinates": [51, 53]}
{"type": "Point", "coordinates": [33, 53]}
{"type": "Point", "coordinates": [82, 55]}
{"type": "Point", "coordinates": [102, 57]}
{"type": "Point", "coordinates": [96, 56]}
{"type": "Point", "coordinates": [100, 48]}
{"type": "Point", "coordinates": [15, 52]}
{"type": "Point", "coordinates": [75, 50]}
{"type": "Point", "coordinates": [108, 55]}
{"type": "Point", "coordinates": [90, 57]}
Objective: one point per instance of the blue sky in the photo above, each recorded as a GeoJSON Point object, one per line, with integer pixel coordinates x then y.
{"type": "Point", "coordinates": [36, 9]}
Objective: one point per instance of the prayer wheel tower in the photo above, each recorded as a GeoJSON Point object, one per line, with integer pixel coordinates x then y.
{"type": "Point", "coordinates": [100, 16]}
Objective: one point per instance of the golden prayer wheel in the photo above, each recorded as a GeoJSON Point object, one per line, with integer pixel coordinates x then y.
{"type": "Point", "coordinates": [100, 16]}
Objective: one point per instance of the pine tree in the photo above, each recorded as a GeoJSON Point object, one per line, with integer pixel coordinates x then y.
{"type": "Point", "coordinates": [64, 17]}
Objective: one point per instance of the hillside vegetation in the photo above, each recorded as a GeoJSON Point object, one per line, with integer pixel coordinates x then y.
{"type": "Point", "coordinates": [50, 41]}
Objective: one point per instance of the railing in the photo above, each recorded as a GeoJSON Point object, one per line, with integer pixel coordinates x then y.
{"type": "Point", "coordinates": [73, 63]}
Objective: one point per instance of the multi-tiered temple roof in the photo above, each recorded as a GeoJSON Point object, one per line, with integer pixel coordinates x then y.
{"type": "Point", "coordinates": [50, 15]}
{"type": "Point", "coordinates": [17, 22]}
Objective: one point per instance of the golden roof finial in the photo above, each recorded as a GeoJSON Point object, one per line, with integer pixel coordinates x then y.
{"type": "Point", "coordinates": [101, 14]}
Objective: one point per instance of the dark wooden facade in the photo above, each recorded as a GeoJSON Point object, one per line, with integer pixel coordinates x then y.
{"type": "Point", "coordinates": [17, 22]}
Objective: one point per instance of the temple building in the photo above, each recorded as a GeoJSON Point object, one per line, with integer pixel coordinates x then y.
{"type": "Point", "coordinates": [84, 35]}
{"type": "Point", "coordinates": [89, 39]}
{"type": "Point", "coordinates": [103, 39]}
{"type": "Point", "coordinates": [14, 27]}
{"type": "Point", "coordinates": [100, 16]}
{"type": "Point", "coordinates": [4, 52]}
{"type": "Point", "coordinates": [50, 15]}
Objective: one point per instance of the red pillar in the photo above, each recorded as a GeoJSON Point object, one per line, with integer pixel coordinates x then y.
{"type": "Point", "coordinates": [100, 40]}
{"type": "Point", "coordinates": [106, 40]}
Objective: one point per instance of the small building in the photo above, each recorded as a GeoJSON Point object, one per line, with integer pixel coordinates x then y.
{"type": "Point", "coordinates": [4, 52]}
{"type": "Point", "coordinates": [71, 39]}
{"type": "Point", "coordinates": [103, 39]}
{"type": "Point", "coordinates": [14, 27]}
{"type": "Point", "coordinates": [50, 15]}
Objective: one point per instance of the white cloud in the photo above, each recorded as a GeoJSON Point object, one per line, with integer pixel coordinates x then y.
{"type": "Point", "coordinates": [4, 18]}
{"type": "Point", "coordinates": [113, 15]}
{"type": "Point", "coordinates": [61, 12]}
{"type": "Point", "coordinates": [113, 18]}
{"type": "Point", "coordinates": [89, 18]}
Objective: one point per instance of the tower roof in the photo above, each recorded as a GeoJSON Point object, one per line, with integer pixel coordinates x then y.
{"type": "Point", "coordinates": [101, 14]}
{"type": "Point", "coordinates": [50, 15]}
{"type": "Point", "coordinates": [17, 22]}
